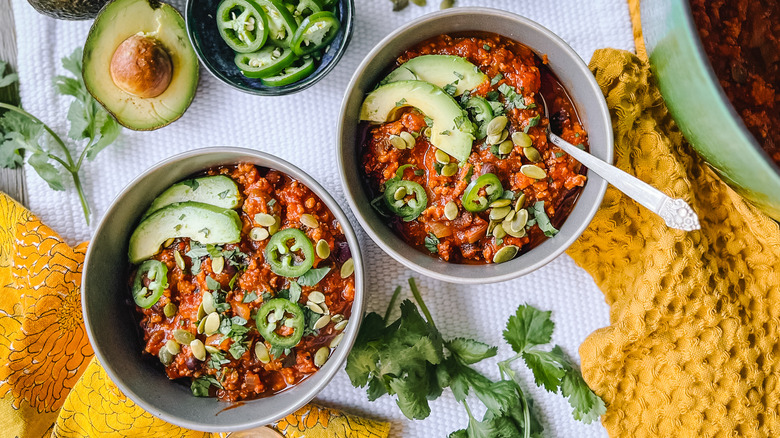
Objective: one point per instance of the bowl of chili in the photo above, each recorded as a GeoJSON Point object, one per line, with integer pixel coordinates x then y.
{"type": "Point", "coordinates": [218, 328]}
{"type": "Point", "coordinates": [718, 69]}
{"type": "Point", "coordinates": [269, 47]}
{"type": "Point", "coordinates": [477, 160]}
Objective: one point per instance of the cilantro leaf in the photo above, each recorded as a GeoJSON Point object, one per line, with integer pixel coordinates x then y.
{"type": "Point", "coordinates": [546, 366]}
{"type": "Point", "coordinates": [213, 284]}
{"type": "Point", "coordinates": [295, 292]}
{"type": "Point", "coordinates": [543, 221]}
{"type": "Point", "coordinates": [313, 276]}
{"type": "Point", "coordinates": [200, 386]}
{"type": "Point", "coordinates": [40, 162]}
{"type": "Point", "coordinates": [527, 328]}
{"type": "Point", "coordinates": [431, 243]}
{"type": "Point", "coordinates": [588, 407]}
{"type": "Point", "coordinates": [469, 351]}
{"type": "Point", "coordinates": [6, 79]}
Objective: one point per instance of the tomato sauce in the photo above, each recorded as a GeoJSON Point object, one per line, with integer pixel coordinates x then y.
{"type": "Point", "coordinates": [466, 238]}
{"type": "Point", "coordinates": [246, 281]}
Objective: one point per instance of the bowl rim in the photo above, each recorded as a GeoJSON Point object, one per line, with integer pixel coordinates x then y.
{"type": "Point", "coordinates": [348, 25]}
{"type": "Point", "coordinates": [588, 212]}
{"type": "Point", "coordinates": [351, 331]}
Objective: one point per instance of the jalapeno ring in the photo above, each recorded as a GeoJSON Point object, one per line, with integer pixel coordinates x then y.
{"type": "Point", "coordinates": [245, 32]}
{"type": "Point", "coordinates": [473, 201]}
{"type": "Point", "coordinates": [275, 312]}
{"type": "Point", "coordinates": [407, 209]}
{"type": "Point", "coordinates": [157, 273]}
{"type": "Point", "coordinates": [281, 257]}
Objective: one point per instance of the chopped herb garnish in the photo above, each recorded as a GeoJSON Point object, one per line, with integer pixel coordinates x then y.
{"type": "Point", "coordinates": [458, 74]}
{"type": "Point", "coordinates": [271, 203]}
{"type": "Point", "coordinates": [200, 386]}
{"type": "Point", "coordinates": [469, 173]}
{"type": "Point", "coordinates": [450, 89]}
{"type": "Point", "coordinates": [492, 95]}
{"type": "Point", "coordinates": [205, 232]}
{"type": "Point", "coordinates": [508, 194]}
{"type": "Point", "coordinates": [513, 100]}
{"type": "Point", "coordinates": [313, 276]}
{"type": "Point", "coordinates": [531, 123]}
{"type": "Point", "coordinates": [577, 134]}
{"type": "Point", "coordinates": [223, 195]}
{"type": "Point", "coordinates": [191, 183]}
{"type": "Point", "coordinates": [486, 47]}
{"type": "Point", "coordinates": [459, 121]}
{"type": "Point", "coordinates": [428, 121]}
{"type": "Point", "coordinates": [213, 284]}
{"type": "Point", "coordinates": [438, 167]}
{"type": "Point", "coordinates": [295, 291]}
{"type": "Point", "coordinates": [559, 154]}
{"type": "Point", "coordinates": [496, 79]}
{"type": "Point", "coordinates": [216, 360]}
{"type": "Point", "coordinates": [401, 102]}
{"type": "Point", "coordinates": [445, 132]}
{"type": "Point", "coordinates": [177, 227]}
{"type": "Point", "coordinates": [233, 280]}
{"type": "Point", "coordinates": [248, 298]}
{"type": "Point", "coordinates": [419, 172]}
{"type": "Point", "coordinates": [431, 243]}
{"type": "Point", "coordinates": [237, 349]}
{"type": "Point", "coordinates": [543, 221]}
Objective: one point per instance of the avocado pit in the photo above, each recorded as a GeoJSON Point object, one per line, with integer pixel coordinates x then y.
{"type": "Point", "coordinates": [141, 66]}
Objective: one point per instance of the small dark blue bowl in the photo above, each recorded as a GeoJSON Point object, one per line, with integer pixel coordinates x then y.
{"type": "Point", "coordinates": [215, 54]}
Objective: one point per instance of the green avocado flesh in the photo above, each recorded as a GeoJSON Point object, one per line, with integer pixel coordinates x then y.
{"type": "Point", "coordinates": [451, 130]}
{"type": "Point", "coordinates": [218, 190]}
{"type": "Point", "coordinates": [207, 224]}
{"type": "Point", "coordinates": [439, 70]}
{"type": "Point", "coordinates": [119, 20]}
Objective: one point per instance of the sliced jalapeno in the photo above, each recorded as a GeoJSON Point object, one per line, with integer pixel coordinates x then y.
{"type": "Point", "coordinates": [157, 274]}
{"type": "Point", "coordinates": [281, 23]}
{"type": "Point", "coordinates": [315, 32]}
{"type": "Point", "coordinates": [474, 201]}
{"type": "Point", "coordinates": [242, 24]}
{"type": "Point", "coordinates": [283, 258]}
{"type": "Point", "coordinates": [266, 62]}
{"type": "Point", "coordinates": [396, 194]}
{"type": "Point", "coordinates": [277, 315]}
{"type": "Point", "coordinates": [291, 74]}
{"type": "Point", "coordinates": [482, 113]}
{"type": "Point", "coordinates": [306, 7]}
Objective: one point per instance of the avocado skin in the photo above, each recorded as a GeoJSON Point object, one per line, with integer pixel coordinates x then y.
{"type": "Point", "coordinates": [68, 9]}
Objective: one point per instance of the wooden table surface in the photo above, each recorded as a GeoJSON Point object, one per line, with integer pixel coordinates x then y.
{"type": "Point", "coordinates": [11, 180]}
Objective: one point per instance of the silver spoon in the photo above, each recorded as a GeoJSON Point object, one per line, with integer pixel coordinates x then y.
{"type": "Point", "coordinates": [675, 212]}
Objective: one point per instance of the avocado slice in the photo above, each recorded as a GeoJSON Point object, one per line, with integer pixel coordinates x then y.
{"type": "Point", "coordinates": [440, 70]}
{"type": "Point", "coordinates": [217, 190]}
{"type": "Point", "coordinates": [201, 222]}
{"type": "Point", "coordinates": [139, 64]}
{"type": "Point", "coordinates": [451, 131]}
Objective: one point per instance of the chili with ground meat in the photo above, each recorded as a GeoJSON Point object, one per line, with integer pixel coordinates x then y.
{"type": "Point", "coordinates": [470, 236]}
{"type": "Point", "coordinates": [742, 41]}
{"type": "Point", "coordinates": [303, 318]}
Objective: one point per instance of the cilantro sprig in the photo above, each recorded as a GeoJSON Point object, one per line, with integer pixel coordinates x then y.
{"type": "Point", "coordinates": [410, 359]}
{"type": "Point", "coordinates": [90, 125]}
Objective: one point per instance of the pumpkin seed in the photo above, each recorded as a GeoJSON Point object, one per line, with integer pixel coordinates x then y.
{"type": "Point", "coordinates": [397, 142]}
{"type": "Point", "coordinates": [336, 341]}
{"type": "Point", "coordinates": [316, 297]}
{"type": "Point", "coordinates": [446, 4]}
{"type": "Point", "coordinates": [499, 213]}
{"type": "Point", "coordinates": [264, 219]}
{"type": "Point", "coordinates": [198, 349]}
{"type": "Point", "coordinates": [218, 264]}
{"type": "Point", "coordinates": [341, 325]}
{"type": "Point", "coordinates": [490, 228]}
{"type": "Point", "coordinates": [173, 347]}
{"type": "Point", "coordinates": [505, 147]}
{"type": "Point", "coordinates": [400, 193]}
{"type": "Point", "coordinates": [533, 171]}
{"type": "Point", "coordinates": [208, 303]}
{"type": "Point", "coordinates": [179, 260]}
{"type": "Point", "coordinates": [170, 310]}
{"type": "Point", "coordinates": [442, 157]}
{"type": "Point", "coordinates": [509, 216]}
{"type": "Point", "coordinates": [409, 139]}
{"type": "Point", "coordinates": [275, 227]}
{"type": "Point", "coordinates": [212, 323]}
{"type": "Point", "coordinates": [322, 322]}
{"type": "Point", "coordinates": [347, 268]}
{"type": "Point", "coordinates": [522, 139]}
{"type": "Point", "coordinates": [261, 352]}
{"type": "Point", "coordinates": [504, 135]}
{"type": "Point", "coordinates": [427, 132]}
{"type": "Point", "coordinates": [514, 233]}
{"type": "Point", "coordinates": [532, 154]}
{"type": "Point", "coordinates": [521, 218]}
{"type": "Point", "coordinates": [309, 220]}
{"type": "Point", "coordinates": [323, 249]}
{"type": "Point", "coordinates": [168, 242]}
{"type": "Point", "coordinates": [314, 307]}
{"type": "Point", "coordinates": [497, 125]}
{"type": "Point", "coordinates": [451, 210]}
{"type": "Point", "coordinates": [258, 233]}
{"type": "Point", "coordinates": [201, 312]}
{"type": "Point", "coordinates": [500, 203]}
{"type": "Point", "coordinates": [505, 254]}
{"type": "Point", "coordinates": [449, 169]}
{"type": "Point", "coordinates": [166, 358]}
{"type": "Point", "coordinates": [499, 231]}
{"type": "Point", "coordinates": [183, 337]}
{"type": "Point", "coordinates": [321, 356]}
{"type": "Point", "coordinates": [493, 139]}
{"type": "Point", "coordinates": [337, 318]}
{"type": "Point", "coordinates": [520, 202]}
{"type": "Point", "coordinates": [212, 350]}
{"type": "Point", "coordinates": [202, 326]}
{"type": "Point", "coordinates": [324, 307]}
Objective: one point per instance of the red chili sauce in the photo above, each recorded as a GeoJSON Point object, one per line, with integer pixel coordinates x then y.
{"type": "Point", "coordinates": [466, 238]}
{"type": "Point", "coordinates": [742, 41]}
{"type": "Point", "coordinates": [243, 277]}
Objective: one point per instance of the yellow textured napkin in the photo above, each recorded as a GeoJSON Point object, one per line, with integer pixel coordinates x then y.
{"type": "Point", "coordinates": [693, 348]}
{"type": "Point", "coordinates": [50, 384]}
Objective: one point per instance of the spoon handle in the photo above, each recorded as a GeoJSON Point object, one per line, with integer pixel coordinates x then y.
{"type": "Point", "coordinates": [675, 212]}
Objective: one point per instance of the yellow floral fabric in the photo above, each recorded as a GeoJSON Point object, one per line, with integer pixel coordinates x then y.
{"type": "Point", "coordinates": [50, 384]}
{"type": "Point", "coordinates": [692, 349]}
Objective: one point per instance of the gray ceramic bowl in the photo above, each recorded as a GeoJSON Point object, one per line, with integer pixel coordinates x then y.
{"type": "Point", "coordinates": [564, 62]}
{"type": "Point", "coordinates": [114, 335]}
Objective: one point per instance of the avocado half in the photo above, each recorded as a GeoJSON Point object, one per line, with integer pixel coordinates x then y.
{"type": "Point", "coordinates": [139, 64]}
{"type": "Point", "coordinates": [68, 9]}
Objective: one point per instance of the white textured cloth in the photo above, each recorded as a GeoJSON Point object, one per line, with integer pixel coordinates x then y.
{"type": "Point", "coordinates": [302, 129]}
